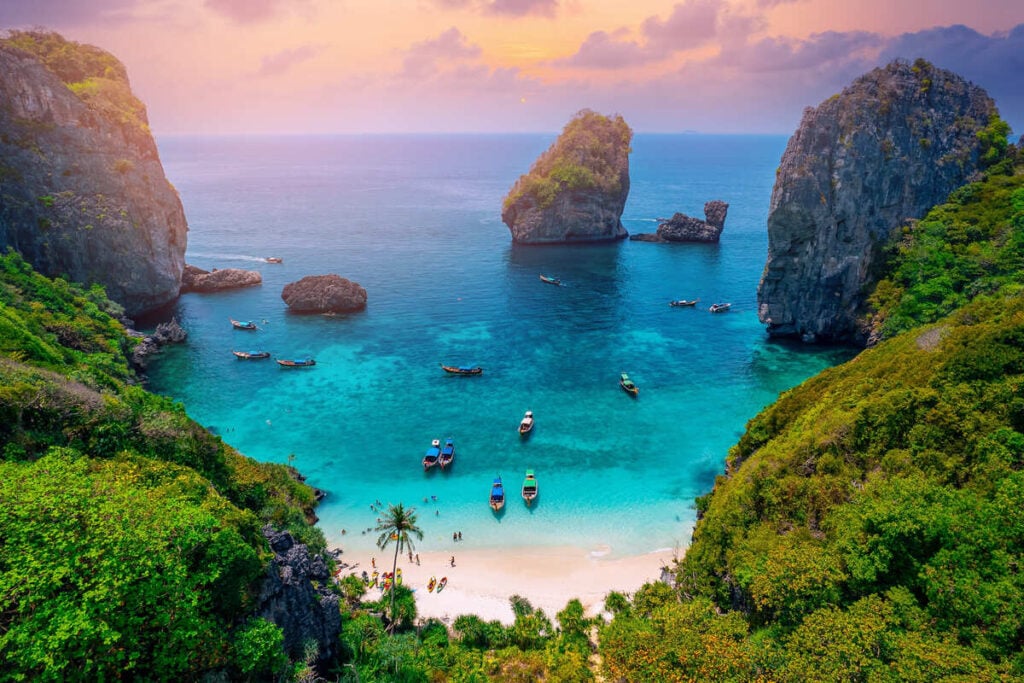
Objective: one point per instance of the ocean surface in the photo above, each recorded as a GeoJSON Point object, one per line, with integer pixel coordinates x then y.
{"type": "Point", "coordinates": [416, 221]}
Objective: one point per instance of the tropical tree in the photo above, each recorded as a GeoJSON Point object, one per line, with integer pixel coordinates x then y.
{"type": "Point", "coordinates": [399, 525]}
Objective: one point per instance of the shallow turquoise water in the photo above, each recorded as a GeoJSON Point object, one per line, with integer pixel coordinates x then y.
{"type": "Point", "coordinates": [415, 220]}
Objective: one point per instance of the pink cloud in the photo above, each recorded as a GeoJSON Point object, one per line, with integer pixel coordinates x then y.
{"type": "Point", "coordinates": [250, 11]}
{"type": "Point", "coordinates": [281, 62]}
{"type": "Point", "coordinates": [426, 57]}
{"type": "Point", "coordinates": [522, 8]}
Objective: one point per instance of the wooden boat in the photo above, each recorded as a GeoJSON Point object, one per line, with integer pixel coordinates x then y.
{"type": "Point", "coordinates": [627, 385]}
{"type": "Point", "coordinates": [432, 455]}
{"type": "Point", "coordinates": [526, 426]}
{"type": "Point", "coordinates": [720, 308]}
{"type": "Point", "coordinates": [298, 363]}
{"type": "Point", "coordinates": [530, 488]}
{"type": "Point", "coordinates": [243, 324]}
{"type": "Point", "coordinates": [550, 280]}
{"type": "Point", "coordinates": [251, 355]}
{"type": "Point", "coordinates": [447, 453]}
{"type": "Point", "coordinates": [497, 495]}
{"type": "Point", "coordinates": [431, 584]}
{"type": "Point", "coordinates": [462, 369]}
{"type": "Point", "coordinates": [683, 302]}
{"type": "Point", "coordinates": [273, 259]}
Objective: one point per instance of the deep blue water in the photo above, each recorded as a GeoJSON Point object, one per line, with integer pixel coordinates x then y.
{"type": "Point", "coordinates": [416, 221]}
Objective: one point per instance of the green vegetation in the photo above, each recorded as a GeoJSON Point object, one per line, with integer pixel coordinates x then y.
{"type": "Point", "coordinates": [870, 526]}
{"type": "Point", "coordinates": [590, 153]}
{"type": "Point", "coordinates": [94, 75]}
{"type": "Point", "coordinates": [129, 535]}
{"type": "Point", "coordinates": [398, 525]}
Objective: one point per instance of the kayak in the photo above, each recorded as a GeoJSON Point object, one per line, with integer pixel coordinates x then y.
{"type": "Point", "coordinates": [442, 583]}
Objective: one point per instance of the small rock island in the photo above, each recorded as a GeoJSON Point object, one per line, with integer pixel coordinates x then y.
{"type": "Point", "coordinates": [887, 148]}
{"type": "Point", "coordinates": [194, 279]}
{"type": "Point", "coordinates": [683, 228]}
{"type": "Point", "coordinates": [324, 294]}
{"type": "Point", "coordinates": [577, 189]}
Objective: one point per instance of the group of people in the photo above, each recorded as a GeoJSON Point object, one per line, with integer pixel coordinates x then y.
{"type": "Point", "coordinates": [456, 535]}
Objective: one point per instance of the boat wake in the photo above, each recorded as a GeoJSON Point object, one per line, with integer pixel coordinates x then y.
{"type": "Point", "coordinates": [228, 257]}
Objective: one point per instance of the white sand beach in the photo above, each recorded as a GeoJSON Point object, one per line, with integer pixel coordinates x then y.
{"type": "Point", "coordinates": [482, 581]}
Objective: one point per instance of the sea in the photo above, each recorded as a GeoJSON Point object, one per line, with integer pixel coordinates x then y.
{"type": "Point", "coordinates": [416, 220]}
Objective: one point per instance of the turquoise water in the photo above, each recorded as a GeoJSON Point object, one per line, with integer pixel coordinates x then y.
{"type": "Point", "coordinates": [416, 221]}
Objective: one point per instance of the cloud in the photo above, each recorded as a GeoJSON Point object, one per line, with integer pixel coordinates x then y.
{"type": "Point", "coordinates": [819, 52]}
{"type": "Point", "coordinates": [59, 13]}
{"type": "Point", "coordinates": [690, 24]}
{"type": "Point", "coordinates": [281, 62]}
{"type": "Point", "coordinates": [522, 8]}
{"type": "Point", "coordinates": [250, 11]}
{"type": "Point", "coordinates": [427, 57]}
{"type": "Point", "coordinates": [504, 8]}
{"type": "Point", "coordinates": [768, 4]}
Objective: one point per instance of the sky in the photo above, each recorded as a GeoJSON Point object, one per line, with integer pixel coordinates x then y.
{"type": "Point", "coordinates": [410, 66]}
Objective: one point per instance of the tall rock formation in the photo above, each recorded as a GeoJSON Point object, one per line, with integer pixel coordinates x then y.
{"type": "Point", "coordinates": [576, 190]}
{"type": "Point", "coordinates": [82, 192]}
{"type": "Point", "coordinates": [890, 146]}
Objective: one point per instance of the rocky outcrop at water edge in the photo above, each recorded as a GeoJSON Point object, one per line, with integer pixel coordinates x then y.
{"type": "Point", "coordinates": [195, 279]}
{"type": "Point", "coordinates": [324, 294]}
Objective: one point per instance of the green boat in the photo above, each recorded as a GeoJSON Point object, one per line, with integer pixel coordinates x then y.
{"type": "Point", "coordinates": [627, 385]}
{"type": "Point", "coordinates": [529, 488]}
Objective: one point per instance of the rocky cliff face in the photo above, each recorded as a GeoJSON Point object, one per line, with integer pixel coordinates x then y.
{"type": "Point", "coordinates": [577, 189]}
{"type": "Point", "coordinates": [82, 192]}
{"type": "Point", "coordinates": [295, 596]}
{"type": "Point", "coordinates": [891, 145]}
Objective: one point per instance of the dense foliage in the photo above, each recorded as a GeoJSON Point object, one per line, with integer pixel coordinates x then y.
{"type": "Point", "coordinates": [971, 245]}
{"type": "Point", "coordinates": [129, 535]}
{"type": "Point", "coordinates": [870, 526]}
{"type": "Point", "coordinates": [590, 153]}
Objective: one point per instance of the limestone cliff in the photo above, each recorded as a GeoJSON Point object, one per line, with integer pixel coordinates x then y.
{"type": "Point", "coordinates": [82, 192]}
{"type": "Point", "coordinates": [891, 145]}
{"type": "Point", "coordinates": [576, 190]}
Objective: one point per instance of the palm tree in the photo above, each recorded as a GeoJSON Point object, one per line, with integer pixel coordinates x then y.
{"type": "Point", "coordinates": [397, 524]}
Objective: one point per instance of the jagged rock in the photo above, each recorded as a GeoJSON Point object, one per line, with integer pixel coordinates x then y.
{"type": "Point", "coordinates": [165, 333]}
{"type": "Point", "coordinates": [646, 237]}
{"type": "Point", "coordinates": [324, 294]}
{"type": "Point", "coordinates": [195, 279]}
{"type": "Point", "coordinates": [83, 192]}
{"type": "Point", "coordinates": [295, 596]}
{"type": "Point", "coordinates": [683, 228]}
{"type": "Point", "coordinates": [890, 146]}
{"type": "Point", "coordinates": [576, 190]}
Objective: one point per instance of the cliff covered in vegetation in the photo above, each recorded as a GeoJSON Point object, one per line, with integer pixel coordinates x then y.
{"type": "Point", "coordinates": [130, 537]}
{"type": "Point", "coordinates": [82, 191]}
{"type": "Point", "coordinates": [893, 144]}
{"type": "Point", "coordinates": [870, 524]}
{"type": "Point", "coordinates": [577, 189]}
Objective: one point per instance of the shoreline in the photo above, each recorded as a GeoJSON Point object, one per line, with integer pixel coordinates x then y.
{"type": "Point", "coordinates": [482, 581]}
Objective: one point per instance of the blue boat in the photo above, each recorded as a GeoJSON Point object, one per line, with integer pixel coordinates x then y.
{"type": "Point", "coordinates": [433, 453]}
{"type": "Point", "coordinates": [462, 369]}
{"type": "Point", "coordinates": [497, 495]}
{"type": "Point", "coordinates": [447, 453]}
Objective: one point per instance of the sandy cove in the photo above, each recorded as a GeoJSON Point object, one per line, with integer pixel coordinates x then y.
{"type": "Point", "coordinates": [482, 581]}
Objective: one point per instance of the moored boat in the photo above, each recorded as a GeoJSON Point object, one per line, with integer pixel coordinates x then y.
{"type": "Point", "coordinates": [526, 426]}
{"type": "Point", "coordinates": [462, 369]}
{"type": "Point", "coordinates": [251, 355]}
{"type": "Point", "coordinates": [497, 495]}
{"type": "Point", "coordinates": [530, 488]}
{"type": "Point", "coordinates": [720, 308]}
{"type": "Point", "coordinates": [550, 280]}
{"type": "Point", "coordinates": [243, 324]}
{"type": "Point", "coordinates": [683, 302]}
{"type": "Point", "coordinates": [432, 454]}
{"type": "Point", "coordinates": [628, 386]}
{"type": "Point", "coordinates": [296, 363]}
{"type": "Point", "coordinates": [447, 453]}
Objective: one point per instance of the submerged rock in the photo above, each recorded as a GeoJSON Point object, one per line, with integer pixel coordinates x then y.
{"type": "Point", "coordinates": [195, 279]}
{"type": "Point", "coordinates": [324, 294]}
{"type": "Point", "coordinates": [165, 333]}
{"type": "Point", "coordinates": [82, 192]}
{"type": "Point", "coordinates": [889, 147]}
{"type": "Point", "coordinates": [576, 190]}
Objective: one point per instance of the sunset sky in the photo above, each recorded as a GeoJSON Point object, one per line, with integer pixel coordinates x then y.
{"type": "Point", "coordinates": [305, 66]}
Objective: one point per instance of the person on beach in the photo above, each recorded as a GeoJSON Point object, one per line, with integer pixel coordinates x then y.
{"type": "Point", "coordinates": [410, 556]}
{"type": "Point", "coordinates": [373, 562]}
{"type": "Point", "coordinates": [453, 561]}
{"type": "Point", "coordinates": [417, 559]}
